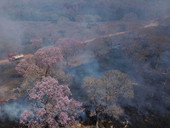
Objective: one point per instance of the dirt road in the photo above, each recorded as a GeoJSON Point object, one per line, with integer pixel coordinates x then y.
{"type": "Point", "coordinates": [7, 61]}
{"type": "Point", "coordinates": [4, 61]}
{"type": "Point", "coordinates": [152, 24]}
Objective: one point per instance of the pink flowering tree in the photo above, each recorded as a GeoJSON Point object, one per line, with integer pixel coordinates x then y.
{"type": "Point", "coordinates": [31, 73]}
{"type": "Point", "coordinates": [51, 105]}
{"type": "Point", "coordinates": [48, 57]}
{"type": "Point", "coordinates": [69, 47]}
{"type": "Point", "coordinates": [42, 63]}
{"type": "Point", "coordinates": [28, 69]}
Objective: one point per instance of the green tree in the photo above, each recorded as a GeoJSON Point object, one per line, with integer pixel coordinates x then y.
{"type": "Point", "coordinates": [104, 92]}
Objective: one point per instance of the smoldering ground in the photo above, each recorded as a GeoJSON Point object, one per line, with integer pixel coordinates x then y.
{"type": "Point", "coordinates": [150, 84]}
{"type": "Point", "coordinates": [11, 35]}
{"type": "Point", "coordinates": [11, 110]}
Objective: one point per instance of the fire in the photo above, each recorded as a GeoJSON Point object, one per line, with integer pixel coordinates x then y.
{"type": "Point", "coordinates": [2, 100]}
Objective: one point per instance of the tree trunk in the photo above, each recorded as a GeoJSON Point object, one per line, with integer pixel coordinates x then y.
{"type": "Point", "coordinates": [97, 122]}
{"type": "Point", "coordinates": [47, 70]}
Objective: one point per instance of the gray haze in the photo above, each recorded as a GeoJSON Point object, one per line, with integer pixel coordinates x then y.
{"type": "Point", "coordinates": [49, 20]}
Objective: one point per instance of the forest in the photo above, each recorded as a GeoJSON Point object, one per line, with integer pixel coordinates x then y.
{"type": "Point", "coordinates": [84, 64]}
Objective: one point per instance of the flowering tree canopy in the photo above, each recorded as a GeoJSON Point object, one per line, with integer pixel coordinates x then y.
{"type": "Point", "coordinates": [29, 69]}
{"type": "Point", "coordinates": [47, 57]}
{"type": "Point", "coordinates": [43, 61]}
{"type": "Point", "coordinates": [51, 105]}
{"type": "Point", "coordinates": [69, 47]}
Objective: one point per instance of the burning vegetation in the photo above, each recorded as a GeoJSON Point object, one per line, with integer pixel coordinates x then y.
{"type": "Point", "coordinates": [84, 64]}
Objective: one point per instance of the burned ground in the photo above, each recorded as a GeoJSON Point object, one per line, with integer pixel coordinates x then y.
{"type": "Point", "coordinates": [126, 38]}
